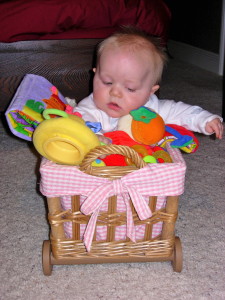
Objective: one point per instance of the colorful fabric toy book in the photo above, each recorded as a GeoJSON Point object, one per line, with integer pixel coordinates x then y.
{"type": "Point", "coordinates": [34, 94]}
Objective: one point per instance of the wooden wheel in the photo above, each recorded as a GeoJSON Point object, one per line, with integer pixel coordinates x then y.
{"type": "Point", "coordinates": [46, 258]}
{"type": "Point", "coordinates": [177, 261]}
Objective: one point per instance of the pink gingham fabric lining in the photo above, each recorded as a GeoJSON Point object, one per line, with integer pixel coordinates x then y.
{"type": "Point", "coordinates": [165, 179]}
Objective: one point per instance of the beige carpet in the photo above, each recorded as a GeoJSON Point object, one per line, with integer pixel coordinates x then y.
{"type": "Point", "coordinates": [200, 225]}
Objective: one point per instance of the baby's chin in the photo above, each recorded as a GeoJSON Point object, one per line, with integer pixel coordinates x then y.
{"type": "Point", "coordinates": [114, 115]}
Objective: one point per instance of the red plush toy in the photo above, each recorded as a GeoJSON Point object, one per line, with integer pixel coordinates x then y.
{"type": "Point", "coordinates": [119, 138]}
{"type": "Point", "coordinates": [157, 153]}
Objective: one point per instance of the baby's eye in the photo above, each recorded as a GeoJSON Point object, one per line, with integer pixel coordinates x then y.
{"type": "Point", "coordinates": [107, 82]}
{"type": "Point", "coordinates": [131, 90]}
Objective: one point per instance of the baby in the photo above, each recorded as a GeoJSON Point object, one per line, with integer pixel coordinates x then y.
{"type": "Point", "coordinates": [127, 75]}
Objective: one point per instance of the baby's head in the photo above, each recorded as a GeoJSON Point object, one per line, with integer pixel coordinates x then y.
{"type": "Point", "coordinates": [129, 69]}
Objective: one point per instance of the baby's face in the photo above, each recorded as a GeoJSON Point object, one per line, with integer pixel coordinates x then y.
{"type": "Point", "coordinates": [122, 81]}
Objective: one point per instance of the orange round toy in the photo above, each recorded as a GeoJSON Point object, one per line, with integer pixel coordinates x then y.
{"type": "Point", "coordinates": [147, 126]}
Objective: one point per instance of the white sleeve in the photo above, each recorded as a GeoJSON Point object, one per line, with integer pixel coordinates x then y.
{"type": "Point", "coordinates": [88, 110]}
{"type": "Point", "coordinates": [191, 117]}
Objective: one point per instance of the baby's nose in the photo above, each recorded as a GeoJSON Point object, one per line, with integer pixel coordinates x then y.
{"type": "Point", "coordinates": [115, 92]}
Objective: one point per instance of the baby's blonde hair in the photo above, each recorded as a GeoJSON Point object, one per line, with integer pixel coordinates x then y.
{"type": "Point", "coordinates": [136, 40]}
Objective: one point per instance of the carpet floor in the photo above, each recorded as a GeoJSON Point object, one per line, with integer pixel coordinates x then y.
{"type": "Point", "coordinates": [200, 224]}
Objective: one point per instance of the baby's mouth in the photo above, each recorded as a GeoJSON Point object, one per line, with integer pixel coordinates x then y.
{"type": "Point", "coordinates": [113, 106]}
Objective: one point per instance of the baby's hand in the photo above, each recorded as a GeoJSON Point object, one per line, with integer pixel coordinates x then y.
{"type": "Point", "coordinates": [103, 139]}
{"type": "Point", "coordinates": [215, 126]}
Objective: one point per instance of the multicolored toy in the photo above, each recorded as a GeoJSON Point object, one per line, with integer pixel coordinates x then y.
{"type": "Point", "coordinates": [145, 131]}
{"type": "Point", "coordinates": [147, 127]}
{"type": "Point", "coordinates": [180, 137]}
{"type": "Point", "coordinates": [65, 139]}
{"type": "Point", "coordinates": [33, 96]}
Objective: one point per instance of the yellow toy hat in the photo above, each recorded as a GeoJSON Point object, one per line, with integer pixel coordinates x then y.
{"type": "Point", "coordinates": [64, 139]}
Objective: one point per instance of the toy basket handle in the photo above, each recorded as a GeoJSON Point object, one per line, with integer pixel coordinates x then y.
{"type": "Point", "coordinates": [107, 150]}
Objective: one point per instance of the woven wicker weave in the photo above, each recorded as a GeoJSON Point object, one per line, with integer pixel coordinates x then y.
{"type": "Point", "coordinates": [73, 251]}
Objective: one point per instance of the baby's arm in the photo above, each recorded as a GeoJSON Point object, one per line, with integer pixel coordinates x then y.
{"type": "Point", "coordinates": [215, 126]}
{"type": "Point", "coordinates": [191, 117]}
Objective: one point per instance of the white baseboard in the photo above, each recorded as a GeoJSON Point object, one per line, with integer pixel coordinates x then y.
{"type": "Point", "coordinates": [195, 56]}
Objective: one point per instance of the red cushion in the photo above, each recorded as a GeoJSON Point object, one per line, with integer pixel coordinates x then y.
{"type": "Point", "coordinates": [68, 19]}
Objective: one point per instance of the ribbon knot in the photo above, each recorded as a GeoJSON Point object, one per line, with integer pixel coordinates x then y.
{"type": "Point", "coordinates": [100, 194]}
{"type": "Point", "coordinates": [118, 187]}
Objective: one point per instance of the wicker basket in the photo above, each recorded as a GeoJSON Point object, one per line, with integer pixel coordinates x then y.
{"type": "Point", "coordinates": [61, 249]}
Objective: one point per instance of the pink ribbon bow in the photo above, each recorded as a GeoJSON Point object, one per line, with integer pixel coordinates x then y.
{"type": "Point", "coordinates": [96, 198]}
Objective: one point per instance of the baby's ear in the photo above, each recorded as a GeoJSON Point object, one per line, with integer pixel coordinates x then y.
{"type": "Point", "coordinates": [94, 70]}
{"type": "Point", "coordinates": [154, 89]}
